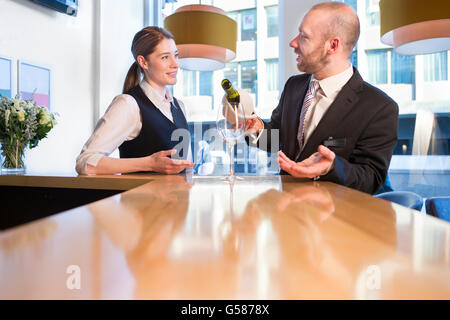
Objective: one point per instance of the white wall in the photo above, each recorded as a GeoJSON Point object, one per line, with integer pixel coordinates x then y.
{"type": "Point", "coordinates": [120, 20]}
{"type": "Point", "coordinates": [63, 43]}
{"type": "Point", "coordinates": [83, 82]}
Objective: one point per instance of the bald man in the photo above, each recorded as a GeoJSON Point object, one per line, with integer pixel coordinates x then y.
{"type": "Point", "coordinates": [333, 125]}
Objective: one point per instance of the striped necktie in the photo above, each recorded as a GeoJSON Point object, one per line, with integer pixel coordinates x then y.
{"type": "Point", "coordinates": [308, 103]}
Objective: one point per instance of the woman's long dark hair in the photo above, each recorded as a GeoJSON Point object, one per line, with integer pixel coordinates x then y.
{"type": "Point", "coordinates": [144, 43]}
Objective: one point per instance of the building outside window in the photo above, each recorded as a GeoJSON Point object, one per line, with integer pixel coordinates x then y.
{"type": "Point", "coordinates": [233, 15]}
{"type": "Point", "coordinates": [420, 86]}
{"type": "Point", "coordinates": [372, 12]}
{"type": "Point", "coordinates": [189, 83]}
{"type": "Point", "coordinates": [352, 3]}
{"type": "Point", "coordinates": [403, 68]}
{"type": "Point", "coordinates": [243, 72]}
{"type": "Point", "coordinates": [248, 25]}
{"type": "Point", "coordinates": [354, 58]}
{"type": "Point", "coordinates": [231, 73]}
{"type": "Point", "coordinates": [242, 75]}
{"type": "Point", "coordinates": [201, 92]}
{"type": "Point", "coordinates": [206, 83]}
{"type": "Point", "coordinates": [435, 67]}
{"type": "Point", "coordinates": [377, 63]}
{"type": "Point", "coordinates": [249, 76]}
{"type": "Point", "coordinates": [272, 21]}
{"type": "Point", "coordinates": [272, 74]}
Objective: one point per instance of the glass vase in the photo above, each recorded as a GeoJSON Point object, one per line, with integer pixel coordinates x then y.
{"type": "Point", "coordinates": [13, 156]}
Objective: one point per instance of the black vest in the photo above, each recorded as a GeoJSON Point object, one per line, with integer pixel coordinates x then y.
{"type": "Point", "coordinates": [156, 132]}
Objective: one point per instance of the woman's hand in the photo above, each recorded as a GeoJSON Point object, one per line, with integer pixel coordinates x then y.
{"type": "Point", "coordinates": [160, 162]}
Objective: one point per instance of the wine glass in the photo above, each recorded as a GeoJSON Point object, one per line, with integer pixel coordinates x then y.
{"type": "Point", "coordinates": [231, 127]}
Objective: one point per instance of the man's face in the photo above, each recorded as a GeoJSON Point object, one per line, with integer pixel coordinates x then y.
{"type": "Point", "coordinates": [309, 44]}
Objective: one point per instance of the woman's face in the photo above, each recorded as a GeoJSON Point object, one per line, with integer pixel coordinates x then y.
{"type": "Point", "coordinates": [161, 66]}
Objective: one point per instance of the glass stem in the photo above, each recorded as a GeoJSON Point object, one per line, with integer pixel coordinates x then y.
{"type": "Point", "coordinates": [231, 151]}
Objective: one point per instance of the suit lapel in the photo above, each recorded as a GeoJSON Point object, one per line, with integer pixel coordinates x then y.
{"type": "Point", "coordinates": [341, 106]}
{"type": "Point", "coordinates": [293, 116]}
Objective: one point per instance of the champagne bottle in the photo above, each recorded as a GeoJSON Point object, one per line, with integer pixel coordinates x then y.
{"type": "Point", "coordinates": [231, 93]}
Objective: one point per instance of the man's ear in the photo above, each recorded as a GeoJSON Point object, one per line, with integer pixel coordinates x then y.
{"type": "Point", "coordinates": [142, 62]}
{"type": "Point", "coordinates": [334, 45]}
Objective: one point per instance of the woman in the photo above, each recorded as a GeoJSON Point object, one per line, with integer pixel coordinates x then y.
{"type": "Point", "coordinates": [141, 121]}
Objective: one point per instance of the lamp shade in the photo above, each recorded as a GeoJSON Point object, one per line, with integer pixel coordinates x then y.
{"type": "Point", "coordinates": [415, 26]}
{"type": "Point", "coordinates": [205, 36]}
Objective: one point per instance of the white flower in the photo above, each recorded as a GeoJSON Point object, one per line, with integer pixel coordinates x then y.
{"type": "Point", "coordinates": [45, 116]}
{"type": "Point", "coordinates": [44, 120]}
{"type": "Point", "coordinates": [24, 119]}
{"type": "Point", "coordinates": [7, 113]}
{"type": "Point", "coordinates": [21, 115]}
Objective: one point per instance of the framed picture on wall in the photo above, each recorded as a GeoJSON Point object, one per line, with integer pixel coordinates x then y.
{"type": "Point", "coordinates": [34, 83]}
{"type": "Point", "coordinates": [6, 77]}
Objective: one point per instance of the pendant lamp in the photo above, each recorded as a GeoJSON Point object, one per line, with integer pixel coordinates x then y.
{"type": "Point", "coordinates": [205, 37]}
{"type": "Point", "coordinates": [415, 26]}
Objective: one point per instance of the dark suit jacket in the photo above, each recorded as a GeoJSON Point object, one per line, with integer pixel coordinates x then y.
{"type": "Point", "coordinates": [362, 120]}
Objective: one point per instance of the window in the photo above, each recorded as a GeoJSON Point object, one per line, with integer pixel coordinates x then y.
{"type": "Point", "coordinates": [189, 83]}
{"type": "Point", "coordinates": [201, 91]}
{"type": "Point", "coordinates": [242, 75]}
{"type": "Point", "coordinates": [420, 86]}
{"type": "Point", "coordinates": [206, 83]}
{"type": "Point", "coordinates": [403, 68]}
{"type": "Point", "coordinates": [233, 15]}
{"type": "Point", "coordinates": [435, 66]}
{"type": "Point", "coordinates": [231, 73]}
{"type": "Point", "coordinates": [373, 12]}
{"type": "Point", "coordinates": [246, 20]}
{"type": "Point", "coordinates": [248, 25]}
{"type": "Point", "coordinates": [196, 83]}
{"type": "Point", "coordinates": [248, 76]}
{"type": "Point", "coordinates": [272, 21]}
{"type": "Point", "coordinates": [272, 74]}
{"type": "Point", "coordinates": [377, 63]}
{"type": "Point", "coordinates": [352, 3]}
{"type": "Point", "coordinates": [354, 58]}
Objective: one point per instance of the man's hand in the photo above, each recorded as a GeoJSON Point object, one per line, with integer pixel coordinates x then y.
{"type": "Point", "coordinates": [160, 162]}
{"type": "Point", "coordinates": [253, 126]}
{"type": "Point", "coordinates": [317, 164]}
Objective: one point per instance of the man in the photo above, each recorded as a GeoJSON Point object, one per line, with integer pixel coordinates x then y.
{"type": "Point", "coordinates": [333, 125]}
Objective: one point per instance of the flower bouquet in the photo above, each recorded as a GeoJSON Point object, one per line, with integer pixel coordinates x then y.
{"type": "Point", "coordinates": [22, 123]}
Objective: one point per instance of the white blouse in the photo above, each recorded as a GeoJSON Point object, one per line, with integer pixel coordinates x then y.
{"type": "Point", "coordinates": [121, 122]}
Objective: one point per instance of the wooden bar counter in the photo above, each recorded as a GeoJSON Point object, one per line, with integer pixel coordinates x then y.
{"type": "Point", "coordinates": [197, 237]}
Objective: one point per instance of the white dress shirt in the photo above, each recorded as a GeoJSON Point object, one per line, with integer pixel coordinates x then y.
{"type": "Point", "coordinates": [121, 122]}
{"type": "Point", "coordinates": [325, 95]}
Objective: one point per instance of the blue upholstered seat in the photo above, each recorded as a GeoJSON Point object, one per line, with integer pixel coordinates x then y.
{"type": "Point", "coordinates": [405, 198]}
{"type": "Point", "coordinates": [438, 207]}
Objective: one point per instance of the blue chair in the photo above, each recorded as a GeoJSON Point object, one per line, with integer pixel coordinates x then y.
{"type": "Point", "coordinates": [405, 198]}
{"type": "Point", "coordinates": [386, 186]}
{"type": "Point", "coordinates": [438, 207]}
